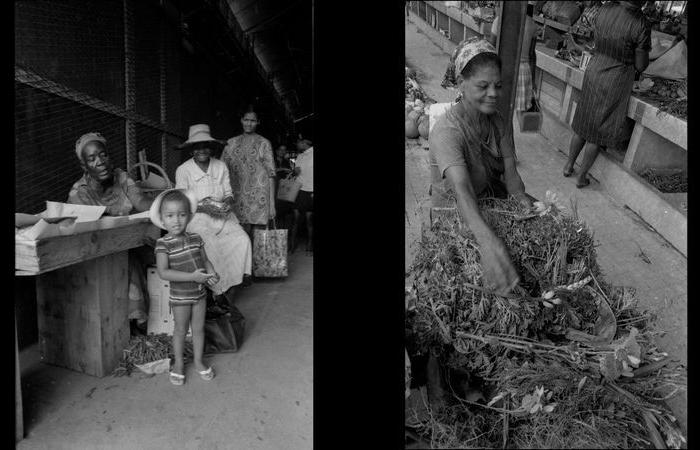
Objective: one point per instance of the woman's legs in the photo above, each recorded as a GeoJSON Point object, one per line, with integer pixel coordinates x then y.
{"type": "Point", "coordinates": [589, 157]}
{"type": "Point", "coordinates": [199, 311]}
{"type": "Point", "coordinates": [574, 149]}
{"type": "Point", "coordinates": [181, 314]}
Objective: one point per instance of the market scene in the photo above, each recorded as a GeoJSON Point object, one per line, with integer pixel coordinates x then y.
{"type": "Point", "coordinates": [546, 224]}
{"type": "Point", "coordinates": [164, 224]}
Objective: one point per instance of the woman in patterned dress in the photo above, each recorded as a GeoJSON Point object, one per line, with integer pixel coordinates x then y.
{"type": "Point", "coordinates": [622, 43]}
{"type": "Point", "coordinates": [251, 168]}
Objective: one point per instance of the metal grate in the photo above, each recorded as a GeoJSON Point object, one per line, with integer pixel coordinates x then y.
{"type": "Point", "coordinates": [76, 71]}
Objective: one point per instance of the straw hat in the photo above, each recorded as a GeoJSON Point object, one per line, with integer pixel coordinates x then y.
{"type": "Point", "coordinates": [154, 212]}
{"type": "Point", "coordinates": [199, 133]}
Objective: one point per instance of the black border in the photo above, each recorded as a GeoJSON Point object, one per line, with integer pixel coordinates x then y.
{"type": "Point", "coordinates": [359, 269]}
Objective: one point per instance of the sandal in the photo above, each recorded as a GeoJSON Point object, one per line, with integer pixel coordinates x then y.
{"type": "Point", "coordinates": [207, 375]}
{"type": "Point", "coordinates": [177, 379]}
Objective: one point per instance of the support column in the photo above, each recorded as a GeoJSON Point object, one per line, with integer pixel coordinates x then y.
{"type": "Point", "coordinates": [162, 59]}
{"type": "Point", "coordinates": [508, 46]}
{"type": "Point", "coordinates": [129, 84]}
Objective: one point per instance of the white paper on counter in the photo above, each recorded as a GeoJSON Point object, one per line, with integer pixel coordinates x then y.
{"type": "Point", "coordinates": [140, 216]}
{"type": "Point", "coordinates": [84, 213]}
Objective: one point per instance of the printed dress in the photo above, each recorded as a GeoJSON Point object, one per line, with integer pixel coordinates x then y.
{"type": "Point", "coordinates": [607, 84]}
{"type": "Point", "coordinates": [251, 167]}
{"type": "Point", "coordinates": [227, 245]}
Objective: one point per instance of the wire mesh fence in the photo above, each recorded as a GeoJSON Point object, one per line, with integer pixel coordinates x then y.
{"type": "Point", "coordinates": [118, 67]}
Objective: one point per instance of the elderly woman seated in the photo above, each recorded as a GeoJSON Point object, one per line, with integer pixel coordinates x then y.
{"type": "Point", "coordinates": [104, 185]}
{"type": "Point", "coordinates": [227, 245]}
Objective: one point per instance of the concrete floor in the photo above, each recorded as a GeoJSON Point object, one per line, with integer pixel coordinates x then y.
{"type": "Point", "coordinates": [623, 238]}
{"type": "Point", "coordinates": [261, 397]}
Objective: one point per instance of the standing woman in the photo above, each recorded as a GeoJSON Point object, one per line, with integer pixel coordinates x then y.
{"type": "Point", "coordinates": [251, 168]}
{"type": "Point", "coordinates": [622, 43]}
{"type": "Point", "coordinates": [227, 245]}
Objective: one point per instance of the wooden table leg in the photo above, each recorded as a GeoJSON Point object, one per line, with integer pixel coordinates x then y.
{"type": "Point", "coordinates": [83, 314]}
{"type": "Point", "coordinates": [19, 420]}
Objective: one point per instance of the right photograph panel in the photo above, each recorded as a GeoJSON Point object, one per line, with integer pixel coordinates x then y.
{"type": "Point", "coordinates": [546, 224]}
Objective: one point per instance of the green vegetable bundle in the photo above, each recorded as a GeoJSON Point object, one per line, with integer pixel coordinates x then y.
{"type": "Point", "coordinates": [567, 360]}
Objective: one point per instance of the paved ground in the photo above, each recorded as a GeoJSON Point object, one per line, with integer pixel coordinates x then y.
{"type": "Point", "coordinates": [622, 236]}
{"type": "Point", "coordinates": [261, 397]}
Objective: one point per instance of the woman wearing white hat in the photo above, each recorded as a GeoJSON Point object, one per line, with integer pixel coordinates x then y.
{"type": "Point", "coordinates": [226, 243]}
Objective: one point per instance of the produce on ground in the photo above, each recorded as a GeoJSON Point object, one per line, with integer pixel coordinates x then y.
{"type": "Point", "coordinates": [145, 349]}
{"type": "Point", "coordinates": [665, 181]}
{"type": "Point", "coordinates": [566, 361]}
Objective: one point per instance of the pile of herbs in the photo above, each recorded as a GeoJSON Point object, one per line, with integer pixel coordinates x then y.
{"type": "Point", "coordinates": [668, 182]}
{"type": "Point", "coordinates": [145, 349]}
{"type": "Point", "coordinates": [565, 361]}
{"type": "Point", "coordinates": [670, 96]}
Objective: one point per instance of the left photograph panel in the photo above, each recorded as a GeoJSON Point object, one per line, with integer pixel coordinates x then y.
{"type": "Point", "coordinates": [164, 224]}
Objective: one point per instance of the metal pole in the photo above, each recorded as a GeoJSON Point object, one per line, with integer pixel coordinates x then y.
{"type": "Point", "coordinates": [508, 45]}
{"type": "Point", "coordinates": [129, 85]}
{"type": "Point", "coordinates": [163, 94]}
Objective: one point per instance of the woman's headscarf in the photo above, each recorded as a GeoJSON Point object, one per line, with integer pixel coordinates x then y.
{"type": "Point", "coordinates": [473, 122]}
{"type": "Point", "coordinates": [465, 52]}
{"type": "Point", "coordinates": [85, 139]}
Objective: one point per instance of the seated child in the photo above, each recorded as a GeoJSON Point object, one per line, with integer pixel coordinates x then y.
{"type": "Point", "coordinates": [181, 260]}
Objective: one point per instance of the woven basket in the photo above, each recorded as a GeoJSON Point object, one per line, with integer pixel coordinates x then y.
{"type": "Point", "coordinates": [152, 190]}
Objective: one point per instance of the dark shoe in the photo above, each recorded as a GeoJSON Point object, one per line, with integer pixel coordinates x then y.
{"type": "Point", "coordinates": [583, 183]}
{"type": "Point", "coordinates": [568, 172]}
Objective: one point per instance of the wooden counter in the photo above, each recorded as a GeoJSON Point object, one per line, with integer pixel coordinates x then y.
{"type": "Point", "coordinates": [659, 140]}
{"type": "Point", "coordinates": [82, 294]}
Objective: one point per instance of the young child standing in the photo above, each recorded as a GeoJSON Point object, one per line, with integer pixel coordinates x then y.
{"type": "Point", "coordinates": [181, 260]}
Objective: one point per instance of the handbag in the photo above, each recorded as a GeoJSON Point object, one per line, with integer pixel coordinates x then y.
{"type": "Point", "coordinates": [288, 189]}
{"type": "Point", "coordinates": [270, 252]}
{"type": "Point", "coordinates": [223, 329]}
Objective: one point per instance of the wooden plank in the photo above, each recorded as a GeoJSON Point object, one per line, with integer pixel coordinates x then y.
{"type": "Point", "coordinates": [61, 251]}
{"type": "Point", "coordinates": [668, 126]}
{"type": "Point", "coordinates": [83, 314]}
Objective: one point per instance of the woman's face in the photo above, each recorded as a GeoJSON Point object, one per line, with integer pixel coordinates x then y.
{"type": "Point", "coordinates": [482, 89]}
{"type": "Point", "coordinates": [96, 161]}
{"type": "Point", "coordinates": [201, 154]}
{"type": "Point", "coordinates": [249, 122]}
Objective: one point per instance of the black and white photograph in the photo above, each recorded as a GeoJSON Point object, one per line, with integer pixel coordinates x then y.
{"type": "Point", "coordinates": [164, 224]}
{"type": "Point", "coordinates": [546, 224]}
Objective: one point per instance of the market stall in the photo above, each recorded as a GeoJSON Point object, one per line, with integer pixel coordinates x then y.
{"type": "Point", "coordinates": [81, 272]}
{"type": "Point", "coordinates": [656, 153]}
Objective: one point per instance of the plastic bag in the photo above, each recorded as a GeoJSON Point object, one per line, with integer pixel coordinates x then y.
{"type": "Point", "coordinates": [223, 333]}
{"type": "Point", "coordinates": [672, 65]}
{"type": "Point", "coordinates": [153, 367]}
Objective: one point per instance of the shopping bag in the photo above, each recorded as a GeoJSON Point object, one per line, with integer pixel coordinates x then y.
{"type": "Point", "coordinates": [270, 253]}
{"type": "Point", "coordinates": [288, 189]}
{"type": "Point", "coordinates": [672, 65]}
{"type": "Point", "coordinates": [223, 333]}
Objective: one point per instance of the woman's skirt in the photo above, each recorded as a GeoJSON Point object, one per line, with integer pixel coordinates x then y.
{"type": "Point", "coordinates": [227, 246]}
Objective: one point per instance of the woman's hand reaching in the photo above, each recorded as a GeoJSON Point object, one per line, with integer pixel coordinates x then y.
{"type": "Point", "coordinates": [499, 273]}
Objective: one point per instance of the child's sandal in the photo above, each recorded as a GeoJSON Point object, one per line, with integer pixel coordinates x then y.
{"type": "Point", "coordinates": [207, 375]}
{"type": "Point", "coordinates": [177, 379]}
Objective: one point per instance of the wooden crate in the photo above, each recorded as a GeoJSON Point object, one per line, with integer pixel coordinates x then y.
{"type": "Point", "coordinates": [34, 257]}
{"type": "Point", "coordinates": [83, 314]}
